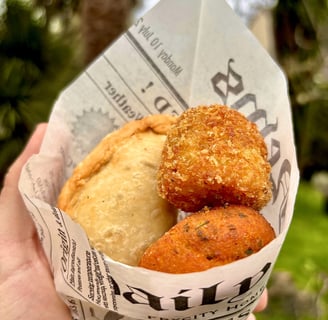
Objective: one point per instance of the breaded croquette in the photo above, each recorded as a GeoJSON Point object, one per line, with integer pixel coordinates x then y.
{"type": "Point", "coordinates": [214, 156]}
{"type": "Point", "coordinates": [209, 238]}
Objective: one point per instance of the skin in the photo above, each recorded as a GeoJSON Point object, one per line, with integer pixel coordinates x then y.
{"type": "Point", "coordinates": [27, 289]}
{"type": "Point", "coordinates": [262, 304]}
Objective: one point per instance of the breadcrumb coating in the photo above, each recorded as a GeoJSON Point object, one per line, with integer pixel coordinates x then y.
{"type": "Point", "coordinates": [212, 237]}
{"type": "Point", "coordinates": [214, 156]}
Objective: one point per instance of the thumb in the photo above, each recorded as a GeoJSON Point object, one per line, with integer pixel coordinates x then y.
{"type": "Point", "coordinates": [32, 147]}
{"type": "Point", "coordinates": [15, 222]}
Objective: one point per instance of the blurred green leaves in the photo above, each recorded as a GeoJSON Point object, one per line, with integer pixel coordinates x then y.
{"type": "Point", "coordinates": [35, 64]}
{"type": "Point", "coordinates": [301, 29]}
{"type": "Point", "coordinates": [41, 40]}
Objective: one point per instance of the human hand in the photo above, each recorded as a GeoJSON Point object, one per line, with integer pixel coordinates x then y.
{"type": "Point", "coordinates": [27, 288]}
{"type": "Point", "coordinates": [262, 304]}
{"type": "Point", "coordinates": [26, 285]}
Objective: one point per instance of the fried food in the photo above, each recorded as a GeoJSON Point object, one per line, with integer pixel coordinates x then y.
{"type": "Point", "coordinates": [209, 238]}
{"type": "Point", "coordinates": [112, 193]}
{"type": "Point", "coordinates": [214, 156]}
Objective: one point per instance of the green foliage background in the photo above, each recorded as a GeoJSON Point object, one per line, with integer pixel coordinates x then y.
{"type": "Point", "coordinates": [298, 288]}
{"type": "Point", "coordinates": [301, 29]}
{"type": "Point", "coordinates": [36, 63]}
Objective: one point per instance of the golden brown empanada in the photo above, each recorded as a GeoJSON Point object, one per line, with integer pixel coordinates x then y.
{"type": "Point", "coordinates": [112, 192]}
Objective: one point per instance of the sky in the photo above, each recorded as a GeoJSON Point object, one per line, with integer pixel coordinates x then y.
{"type": "Point", "coordinates": [246, 9]}
{"type": "Point", "coordinates": [2, 6]}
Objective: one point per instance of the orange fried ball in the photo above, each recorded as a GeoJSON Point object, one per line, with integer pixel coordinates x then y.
{"type": "Point", "coordinates": [214, 156]}
{"type": "Point", "coordinates": [209, 238]}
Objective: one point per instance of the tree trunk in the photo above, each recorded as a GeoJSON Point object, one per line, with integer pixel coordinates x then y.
{"type": "Point", "coordinates": [102, 22]}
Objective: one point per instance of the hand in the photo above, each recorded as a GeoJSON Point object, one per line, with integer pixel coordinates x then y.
{"type": "Point", "coordinates": [262, 304]}
{"type": "Point", "coordinates": [27, 289]}
{"type": "Point", "coordinates": [26, 285]}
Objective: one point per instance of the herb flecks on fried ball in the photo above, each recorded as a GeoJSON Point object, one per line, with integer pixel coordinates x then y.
{"type": "Point", "coordinates": [209, 238]}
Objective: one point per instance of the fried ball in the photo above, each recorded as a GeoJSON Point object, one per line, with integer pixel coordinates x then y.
{"type": "Point", "coordinates": [112, 192]}
{"type": "Point", "coordinates": [214, 156]}
{"type": "Point", "coordinates": [209, 238]}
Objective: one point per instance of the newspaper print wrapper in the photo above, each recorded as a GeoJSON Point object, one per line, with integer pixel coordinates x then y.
{"type": "Point", "coordinates": [180, 54]}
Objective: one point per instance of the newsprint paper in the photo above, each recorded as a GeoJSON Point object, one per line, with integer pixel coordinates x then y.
{"type": "Point", "coordinates": [178, 55]}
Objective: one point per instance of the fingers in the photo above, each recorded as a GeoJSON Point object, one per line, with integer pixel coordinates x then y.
{"type": "Point", "coordinates": [263, 302]}
{"type": "Point", "coordinates": [251, 317]}
{"type": "Point", "coordinates": [16, 224]}
{"type": "Point", "coordinates": [261, 305]}
{"type": "Point", "coordinates": [25, 277]}
{"type": "Point", "coordinates": [32, 147]}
